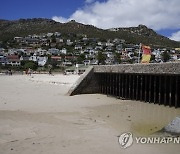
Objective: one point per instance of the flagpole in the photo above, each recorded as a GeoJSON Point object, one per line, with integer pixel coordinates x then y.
{"type": "Point", "coordinates": [139, 53]}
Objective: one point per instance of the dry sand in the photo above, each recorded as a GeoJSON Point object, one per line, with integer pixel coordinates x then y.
{"type": "Point", "coordinates": [36, 116]}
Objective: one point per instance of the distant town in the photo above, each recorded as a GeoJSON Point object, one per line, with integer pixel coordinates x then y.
{"type": "Point", "coordinates": [62, 51]}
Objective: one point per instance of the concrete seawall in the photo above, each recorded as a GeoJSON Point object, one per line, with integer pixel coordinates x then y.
{"type": "Point", "coordinates": [153, 83]}
{"type": "Point", "coordinates": [88, 81]}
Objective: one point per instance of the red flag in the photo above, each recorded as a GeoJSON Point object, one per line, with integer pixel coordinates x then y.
{"type": "Point", "coordinates": [146, 50]}
{"type": "Point", "coordinates": [146, 54]}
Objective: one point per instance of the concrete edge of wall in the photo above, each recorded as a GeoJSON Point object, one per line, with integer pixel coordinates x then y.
{"type": "Point", "coordinates": [163, 68]}
{"type": "Point", "coordinates": [80, 85]}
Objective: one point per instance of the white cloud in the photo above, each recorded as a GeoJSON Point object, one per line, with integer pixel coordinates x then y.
{"type": "Point", "coordinates": [89, 1]}
{"type": "Point", "coordinates": [175, 36]}
{"type": "Point", "coordinates": [157, 14]}
{"type": "Point", "coordinates": [60, 19]}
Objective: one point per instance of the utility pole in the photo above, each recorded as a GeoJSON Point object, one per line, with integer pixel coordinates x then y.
{"type": "Point", "coordinates": [139, 52]}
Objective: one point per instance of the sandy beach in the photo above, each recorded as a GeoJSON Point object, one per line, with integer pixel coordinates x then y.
{"type": "Point", "coordinates": [37, 116]}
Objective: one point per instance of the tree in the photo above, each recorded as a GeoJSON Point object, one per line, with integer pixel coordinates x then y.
{"type": "Point", "coordinates": [53, 39]}
{"type": "Point", "coordinates": [81, 58]}
{"type": "Point", "coordinates": [30, 64]}
{"type": "Point", "coordinates": [153, 57]}
{"type": "Point", "coordinates": [101, 58]}
{"type": "Point", "coordinates": [165, 56]}
{"type": "Point", "coordinates": [117, 57]}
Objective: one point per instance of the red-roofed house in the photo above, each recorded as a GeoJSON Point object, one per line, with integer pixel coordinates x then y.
{"type": "Point", "coordinates": [13, 60]}
{"type": "Point", "coordinates": [56, 58]}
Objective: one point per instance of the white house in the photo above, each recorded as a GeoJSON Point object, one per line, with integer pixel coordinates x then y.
{"type": "Point", "coordinates": [68, 42]}
{"type": "Point", "coordinates": [109, 44]}
{"type": "Point", "coordinates": [100, 44]}
{"type": "Point", "coordinates": [41, 52]}
{"type": "Point", "coordinates": [61, 40]}
{"type": "Point", "coordinates": [64, 51]}
{"type": "Point", "coordinates": [33, 58]}
{"type": "Point", "coordinates": [157, 54]}
{"type": "Point", "coordinates": [57, 34]}
{"type": "Point", "coordinates": [49, 34]}
{"type": "Point", "coordinates": [42, 61]}
{"type": "Point", "coordinates": [54, 51]}
{"type": "Point", "coordinates": [78, 47]}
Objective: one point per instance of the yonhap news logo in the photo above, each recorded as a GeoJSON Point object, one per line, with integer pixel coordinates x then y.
{"type": "Point", "coordinates": [126, 140]}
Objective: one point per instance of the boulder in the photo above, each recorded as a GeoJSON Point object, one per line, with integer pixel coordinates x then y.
{"type": "Point", "coordinates": [173, 127]}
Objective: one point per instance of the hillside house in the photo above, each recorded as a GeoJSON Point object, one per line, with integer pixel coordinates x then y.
{"type": "Point", "coordinates": [78, 47]}
{"type": "Point", "coordinates": [56, 58]}
{"type": "Point", "coordinates": [67, 63]}
{"type": "Point", "coordinates": [24, 58]}
{"type": "Point", "coordinates": [3, 60]}
{"type": "Point", "coordinates": [18, 39]}
{"type": "Point", "coordinates": [57, 34]}
{"type": "Point", "coordinates": [40, 60]}
{"type": "Point", "coordinates": [63, 51]}
{"type": "Point", "coordinates": [70, 58]}
{"type": "Point", "coordinates": [109, 44]}
{"type": "Point", "coordinates": [54, 51]}
{"type": "Point", "coordinates": [49, 34]}
{"type": "Point", "coordinates": [68, 42]}
{"type": "Point", "coordinates": [13, 60]}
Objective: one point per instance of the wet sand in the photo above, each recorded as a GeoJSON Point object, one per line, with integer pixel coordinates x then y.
{"type": "Point", "coordinates": [36, 116]}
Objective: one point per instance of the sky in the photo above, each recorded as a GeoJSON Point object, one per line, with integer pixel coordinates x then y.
{"type": "Point", "coordinates": [163, 16]}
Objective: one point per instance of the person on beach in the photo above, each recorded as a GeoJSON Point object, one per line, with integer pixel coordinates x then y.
{"type": "Point", "coordinates": [29, 72]}
{"type": "Point", "coordinates": [9, 72]}
{"type": "Point", "coordinates": [50, 71]}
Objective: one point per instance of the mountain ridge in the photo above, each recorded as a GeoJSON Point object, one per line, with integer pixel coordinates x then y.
{"type": "Point", "coordinates": [136, 35]}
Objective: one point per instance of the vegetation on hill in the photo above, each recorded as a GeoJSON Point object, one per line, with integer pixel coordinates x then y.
{"type": "Point", "coordinates": [135, 35]}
